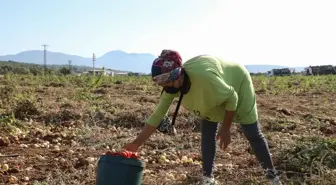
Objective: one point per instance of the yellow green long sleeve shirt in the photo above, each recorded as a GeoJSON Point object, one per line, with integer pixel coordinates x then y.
{"type": "Point", "coordinates": [216, 86]}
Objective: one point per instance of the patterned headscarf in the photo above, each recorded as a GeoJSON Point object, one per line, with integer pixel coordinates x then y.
{"type": "Point", "coordinates": [167, 67]}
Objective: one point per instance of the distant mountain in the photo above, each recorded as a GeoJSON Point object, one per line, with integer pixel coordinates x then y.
{"type": "Point", "coordinates": [116, 60]}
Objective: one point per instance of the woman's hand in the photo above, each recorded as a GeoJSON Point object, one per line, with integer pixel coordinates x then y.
{"type": "Point", "coordinates": [141, 138]}
{"type": "Point", "coordinates": [224, 135]}
{"type": "Point", "coordinates": [132, 147]}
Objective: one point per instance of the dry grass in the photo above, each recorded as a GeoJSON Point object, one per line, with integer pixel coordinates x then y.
{"type": "Point", "coordinates": [59, 126]}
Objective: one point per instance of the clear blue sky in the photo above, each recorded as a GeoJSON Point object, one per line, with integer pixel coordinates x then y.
{"type": "Point", "coordinates": [294, 33]}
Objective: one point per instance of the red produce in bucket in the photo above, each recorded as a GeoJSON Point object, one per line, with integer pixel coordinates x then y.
{"type": "Point", "coordinates": [124, 153]}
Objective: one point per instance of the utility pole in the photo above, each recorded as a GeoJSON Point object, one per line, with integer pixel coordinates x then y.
{"type": "Point", "coordinates": [45, 58]}
{"type": "Point", "coordinates": [70, 64]}
{"type": "Point", "coordinates": [93, 61]}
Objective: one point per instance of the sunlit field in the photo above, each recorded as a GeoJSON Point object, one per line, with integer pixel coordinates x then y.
{"type": "Point", "coordinates": [60, 125]}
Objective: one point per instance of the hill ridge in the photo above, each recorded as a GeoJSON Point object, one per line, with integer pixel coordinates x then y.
{"type": "Point", "coordinates": [115, 59]}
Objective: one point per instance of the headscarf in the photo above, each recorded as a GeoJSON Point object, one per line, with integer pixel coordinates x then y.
{"type": "Point", "coordinates": [167, 67]}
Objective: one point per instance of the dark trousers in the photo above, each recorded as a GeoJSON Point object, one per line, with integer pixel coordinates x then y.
{"type": "Point", "coordinates": [253, 134]}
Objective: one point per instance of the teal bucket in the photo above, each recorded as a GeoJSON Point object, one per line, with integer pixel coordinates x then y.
{"type": "Point", "coordinates": [118, 170]}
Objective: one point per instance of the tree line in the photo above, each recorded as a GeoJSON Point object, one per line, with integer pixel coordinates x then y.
{"type": "Point", "coordinates": [14, 67]}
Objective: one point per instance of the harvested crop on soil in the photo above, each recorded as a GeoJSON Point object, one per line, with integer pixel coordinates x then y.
{"type": "Point", "coordinates": [58, 126]}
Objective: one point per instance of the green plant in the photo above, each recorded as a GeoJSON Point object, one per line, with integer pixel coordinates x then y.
{"type": "Point", "coordinates": [310, 157]}
{"type": "Point", "coordinates": [9, 123]}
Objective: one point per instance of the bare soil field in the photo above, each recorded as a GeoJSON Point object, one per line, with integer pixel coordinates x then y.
{"type": "Point", "coordinates": [59, 126]}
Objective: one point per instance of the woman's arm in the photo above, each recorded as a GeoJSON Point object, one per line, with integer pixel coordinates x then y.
{"type": "Point", "coordinates": [161, 109]}
{"type": "Point", "coordinates": [152, 122]}
{"type": "Point", "coordinates": [226, 125]}
{"type": "Point", "coordinates": [146, 132]}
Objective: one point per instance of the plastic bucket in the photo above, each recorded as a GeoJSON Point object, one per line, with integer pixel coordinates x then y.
{"type": "Point", "coordinates": [118, 170]}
